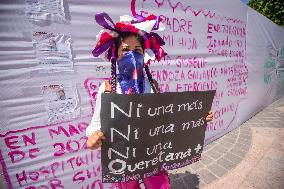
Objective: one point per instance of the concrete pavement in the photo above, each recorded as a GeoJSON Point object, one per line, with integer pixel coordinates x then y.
{"type": "Point", "coordinates": [251, 156]}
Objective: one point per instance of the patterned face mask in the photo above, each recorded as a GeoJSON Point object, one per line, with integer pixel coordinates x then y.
{"type": "Point", "coordinates": [131, 75]}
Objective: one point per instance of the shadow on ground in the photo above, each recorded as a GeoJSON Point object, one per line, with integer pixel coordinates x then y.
{"type": "Point", "coordinates": [185, 180]}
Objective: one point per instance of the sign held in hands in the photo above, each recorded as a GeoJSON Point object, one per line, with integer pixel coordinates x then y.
{"type": "Point", "coordinates": [147, 133]}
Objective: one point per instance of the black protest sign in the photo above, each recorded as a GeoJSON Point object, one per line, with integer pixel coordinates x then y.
{"type": "Point", "coordinates": [147, 133]}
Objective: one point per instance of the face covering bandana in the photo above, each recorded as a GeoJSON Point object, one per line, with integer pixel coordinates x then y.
{"type": "Point", "coordinates": [131, 75]}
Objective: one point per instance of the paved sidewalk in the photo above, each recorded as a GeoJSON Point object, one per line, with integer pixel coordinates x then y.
{"type": "Point", "coordinates": [251, 156]}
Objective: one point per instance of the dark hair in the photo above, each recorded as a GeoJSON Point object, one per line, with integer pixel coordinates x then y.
{"type": "Point", "coordinates": [122, 36]}
{"type": "Point", "coordinates": [118, 42]}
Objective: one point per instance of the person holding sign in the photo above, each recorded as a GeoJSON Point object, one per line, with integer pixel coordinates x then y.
{"type": "Point", "coordinates": [130, 44]}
